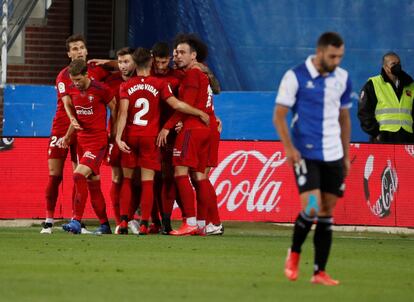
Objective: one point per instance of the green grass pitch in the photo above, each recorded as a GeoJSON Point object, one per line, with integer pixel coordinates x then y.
{"type": "Point", "coordinates": [246, 264]}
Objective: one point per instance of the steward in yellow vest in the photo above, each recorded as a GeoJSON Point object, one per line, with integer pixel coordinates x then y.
{"type": "Point", "coordinates": [385, 108]}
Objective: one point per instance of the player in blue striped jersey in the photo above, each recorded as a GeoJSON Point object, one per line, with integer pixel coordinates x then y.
{"type": "Point", "coordinates": [318, 94]}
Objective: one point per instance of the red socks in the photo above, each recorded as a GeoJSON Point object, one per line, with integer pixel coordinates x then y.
{"type": "Point", "coordinates": [98, 200]}
{"type": "Point", "coordinates": [52, 192]}
{"type": "Point", "coordinates": [125, 197]}
{"type": "Point", "coordinates": [147, 198]}
{"type": "Point", "coordinates": [81, 194]}
{"type": "Point", "coordinates": [115, 195]}
{"type": "Point", "coordinates": [202, 193]}
{"type": "Point", "coordinates": [186, 194]}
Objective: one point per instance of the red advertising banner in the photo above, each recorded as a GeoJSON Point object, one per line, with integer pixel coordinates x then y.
{"type": "Point", "coordinates": [253, 183]}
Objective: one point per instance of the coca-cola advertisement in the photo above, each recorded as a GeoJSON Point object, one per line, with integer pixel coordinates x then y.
{"type": "Point", "coordinates": [253, 183]}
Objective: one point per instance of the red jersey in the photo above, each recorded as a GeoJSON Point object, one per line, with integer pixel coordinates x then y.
{"type": "Point", "coordinates": [144, 95]}
{"type": "Point", "coordinates": [173, 77]}
{"type": "Point", "coordinates": [61, 121]}
{"type": "Point", "coordinates": [114, 81]}
{"type": "Point", "coordinates": [195, 90]}
{"type": "Point", "coordinates": [90, 110]}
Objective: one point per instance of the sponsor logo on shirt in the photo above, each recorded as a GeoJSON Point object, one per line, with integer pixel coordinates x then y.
{"type": "Point", "coordinates": [84, 110]}
{"type": "Point", "coordinates": [89, 154]}
{"type": "Point", "coordinates": [310, 85]}
{"type": "Point", "coordinates": [176, 153]}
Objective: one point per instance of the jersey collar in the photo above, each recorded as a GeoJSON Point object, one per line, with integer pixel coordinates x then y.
{"type": "Point", "coordinates": [314, 73]}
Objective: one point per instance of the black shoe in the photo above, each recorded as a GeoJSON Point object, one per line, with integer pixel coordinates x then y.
{"type": "Point", "coordinates": [166, 227]}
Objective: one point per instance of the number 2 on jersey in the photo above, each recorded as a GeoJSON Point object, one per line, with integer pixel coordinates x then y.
{"type": "Point", "coordinates": [138, 117]}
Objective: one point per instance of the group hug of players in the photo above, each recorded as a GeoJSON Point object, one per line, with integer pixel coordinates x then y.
{"type": "Point", "coordinates": [161, 140]}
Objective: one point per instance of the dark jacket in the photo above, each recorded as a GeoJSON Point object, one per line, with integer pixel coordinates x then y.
{"type": "Point", "coordinates": [366, 111]}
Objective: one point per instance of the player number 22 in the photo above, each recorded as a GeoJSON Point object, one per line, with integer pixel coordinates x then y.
{"type": "Point", "coordinates": [138, 117]}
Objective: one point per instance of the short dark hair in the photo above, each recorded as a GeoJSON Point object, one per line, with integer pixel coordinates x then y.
{"type": "Point", "coordinates": [195, 43]}
{"type": "Point", "coordinates": [330, 38]}
{"type": "Point", "coordinates": [74, 38]}
{"type": "Point", "coordinates": [160, 50]}
{"type": "Point", "coordinates": [390, 54]}
{"type": "Point", "coordinates": [142, 57]}
{"type": "Point", "coordinates": [77, 67]}
{"type": "Point", "coordinates": [125, 51]}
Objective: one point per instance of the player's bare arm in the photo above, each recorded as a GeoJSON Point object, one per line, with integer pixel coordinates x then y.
{"type": "Point", "coordinates": [120, 125]}
{"type": "Point", "coordinates": [279, 120]}
{"type": "Point", "coordinates": [183, 107]}
{"type": "Point", "coordinates": [345, 123]}
{"type": "Point", "coordinates": [109, 64]}
{"type": "Point", "coordinates": [70, 111]}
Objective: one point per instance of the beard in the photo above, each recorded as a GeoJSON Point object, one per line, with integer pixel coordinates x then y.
{"type": "Point", "coordinates": [128, 73]}
{"type": "Point", "coordinates": [327, 68]}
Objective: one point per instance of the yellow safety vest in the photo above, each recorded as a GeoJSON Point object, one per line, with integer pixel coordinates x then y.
{"type": "Point", "coordinates": [393, 114]}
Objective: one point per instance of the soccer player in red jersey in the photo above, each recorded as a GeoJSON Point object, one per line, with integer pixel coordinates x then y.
{"type": "Point", "coordinates": [165, 183]}
{"type": "Point", "coordinates": [214, 226]}
{"type": "Point", "coordinates": [85, 104]}
{"type": "Point", "coordinates": [76, 49]}
{"type": "Point", "coordinates": [127, 69]}
{"type": "Point", "coordinates": [192, 144]}
{"type": "Point", "coordinates": [139, 116]}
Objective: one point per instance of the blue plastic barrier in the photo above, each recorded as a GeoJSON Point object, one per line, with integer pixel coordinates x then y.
{"type": "Point", "coordinates": [29, 111]}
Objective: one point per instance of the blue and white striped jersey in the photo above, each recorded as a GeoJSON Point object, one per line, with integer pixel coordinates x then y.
{"type": "Point", "coordinates": [316, 101]}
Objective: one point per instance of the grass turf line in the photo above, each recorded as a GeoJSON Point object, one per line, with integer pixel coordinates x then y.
{"type": "Point", "coordinates": [246, 264]}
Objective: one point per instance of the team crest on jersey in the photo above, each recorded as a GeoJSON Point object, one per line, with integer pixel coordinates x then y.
{"type": "Point", "coordinates": [90, 98]}
{"type": "Point", "coordinates": [310, 85]}
{"type": "Point", "coordinates": [408, 93]}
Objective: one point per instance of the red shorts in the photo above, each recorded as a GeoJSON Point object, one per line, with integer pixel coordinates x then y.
{"type": "Point", "coordinates": [56, 152]}
{"type": "Point", "coordinates": [191, 148]}
{"type": "Point", "coordinates": [91, 157]}
{"type": "Point", "coordinates": [213, 148]}
{"type": "Point", "coordinates": [167, 150]}
{"type": "Point", "coordinates": [144, 153]}
{"type": "Point", "coordinates": [113, 156]}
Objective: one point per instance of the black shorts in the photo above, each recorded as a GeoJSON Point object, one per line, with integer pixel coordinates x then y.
{"type": "Point", "coordinates": [326, 176]}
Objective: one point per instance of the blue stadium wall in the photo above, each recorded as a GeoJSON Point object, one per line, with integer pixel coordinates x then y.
{"type": "Point", "coordinates": [29, 110]}
{"type": "Point", "coordinates": [251, 44]}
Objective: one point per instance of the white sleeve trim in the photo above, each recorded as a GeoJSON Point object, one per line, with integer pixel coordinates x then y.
{"type": "Point", "coordinates": [287, 90]}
